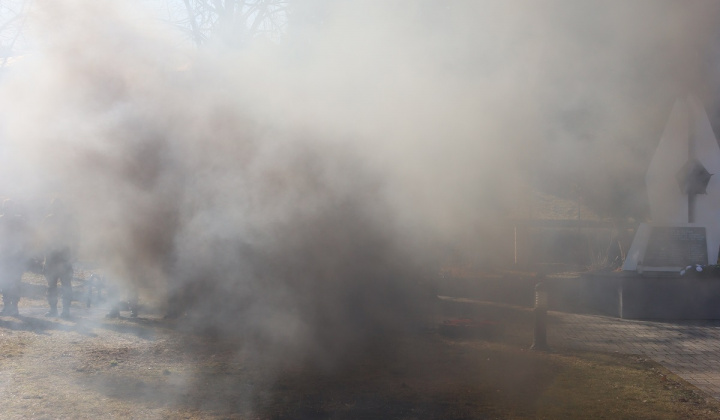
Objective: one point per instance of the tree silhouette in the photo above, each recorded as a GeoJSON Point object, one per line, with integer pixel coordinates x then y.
{"type": "Point", "coordinates": [232, 22]}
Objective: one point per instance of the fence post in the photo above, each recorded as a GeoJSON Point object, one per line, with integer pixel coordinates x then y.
{"type": "Point", "coordinates": [541, 304]}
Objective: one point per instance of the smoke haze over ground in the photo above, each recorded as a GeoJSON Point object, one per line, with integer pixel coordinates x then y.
{"type": "Point", "coordinates": [304, 191]}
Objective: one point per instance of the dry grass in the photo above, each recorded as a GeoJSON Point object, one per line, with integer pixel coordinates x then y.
{"type": "Point", "coordinates": [93, 368]}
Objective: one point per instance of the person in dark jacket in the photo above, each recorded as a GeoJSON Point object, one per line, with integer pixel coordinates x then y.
{"type": "Point", "coordinates": [59, 235]}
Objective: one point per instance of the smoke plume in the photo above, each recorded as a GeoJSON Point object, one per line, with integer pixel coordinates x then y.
{"type": "Point", "coordinates": [302, 193]}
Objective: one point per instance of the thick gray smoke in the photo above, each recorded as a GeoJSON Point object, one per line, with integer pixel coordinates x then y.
{"type": "Point", "coordinates": [189, 186]}
{"type": "Point", "coordinates": [302, 192]}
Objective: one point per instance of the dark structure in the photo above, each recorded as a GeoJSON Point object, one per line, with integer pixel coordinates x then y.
{"type": "Point", "coordinates": [693, 296]}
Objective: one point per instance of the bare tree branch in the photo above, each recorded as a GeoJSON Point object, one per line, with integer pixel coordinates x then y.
{"type": "Point", "coordinates": [197, 36]}
{"type": "Point", "coordinates": [234, 21]}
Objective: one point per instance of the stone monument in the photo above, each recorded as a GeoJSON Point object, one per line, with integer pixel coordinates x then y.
{"type": "Point", "coordinates": [684, 198]}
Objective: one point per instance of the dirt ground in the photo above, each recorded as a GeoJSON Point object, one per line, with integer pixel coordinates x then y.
{"type": "Point", "coordinates": [92, 367]}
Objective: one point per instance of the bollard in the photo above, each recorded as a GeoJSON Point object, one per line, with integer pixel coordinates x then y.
{"type": "Point", "coordinates": [541, 304]}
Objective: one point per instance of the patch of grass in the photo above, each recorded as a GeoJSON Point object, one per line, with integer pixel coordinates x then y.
{"type": "Point", "coordinates": [418, 375]}
{"type": "Point", "coordinates": [430, 376]}
{"type": "Point", "coordinates": [620, 387]}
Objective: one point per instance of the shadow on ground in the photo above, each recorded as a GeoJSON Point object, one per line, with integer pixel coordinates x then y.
{"type": "Point", "coordinates": [42, 326]}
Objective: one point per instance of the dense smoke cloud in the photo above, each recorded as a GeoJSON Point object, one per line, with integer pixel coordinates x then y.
{"type": "Point", "coordinates": [256, 228]}
{"type": "Point", "coordinates": [306, 190]}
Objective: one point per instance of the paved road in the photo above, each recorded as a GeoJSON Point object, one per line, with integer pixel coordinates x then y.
{"type": "Point", "coordinates": [690, 349]}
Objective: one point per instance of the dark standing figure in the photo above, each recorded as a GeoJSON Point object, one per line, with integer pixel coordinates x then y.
{"type": "Point", "coordinates": [59, 240]}
{"type": "Point", "coordinates": [13, 256]}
